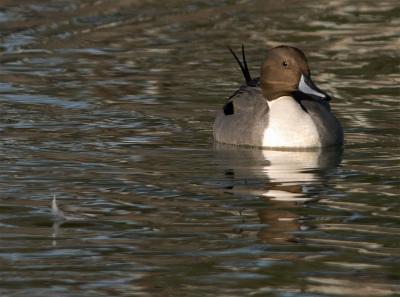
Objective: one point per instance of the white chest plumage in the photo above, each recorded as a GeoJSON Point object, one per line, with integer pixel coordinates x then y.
{"type": "Point", "coordinates": [289, 125]}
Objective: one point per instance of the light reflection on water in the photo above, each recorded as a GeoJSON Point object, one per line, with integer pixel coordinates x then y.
{"type": "Point", "coordinates": [109, 106]}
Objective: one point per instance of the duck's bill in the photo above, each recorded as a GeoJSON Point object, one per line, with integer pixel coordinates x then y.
{"type": "Point", "coordinates": [307, 86]}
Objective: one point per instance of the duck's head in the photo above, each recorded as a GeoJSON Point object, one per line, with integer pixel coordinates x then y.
{"type": "Point", "coordinates": [285, 71]}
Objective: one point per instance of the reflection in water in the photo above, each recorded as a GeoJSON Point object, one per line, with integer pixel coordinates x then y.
{"type": "Point", "coordinates": [291, 182]}
{"type": "Point", "coordinates": [58, 218]}
{"type": "Point", "coordinates": [287, 178]}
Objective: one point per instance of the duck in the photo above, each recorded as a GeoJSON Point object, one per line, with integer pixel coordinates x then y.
{"type": "Point", "coordinates": [281, 109]}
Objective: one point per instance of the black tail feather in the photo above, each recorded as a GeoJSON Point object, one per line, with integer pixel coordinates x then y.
{"type": "Point", "coordinates": [243, 67]}
{"type": "Point", "coordinates": [247, 74]}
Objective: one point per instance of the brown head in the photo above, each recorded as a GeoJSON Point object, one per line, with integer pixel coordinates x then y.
{"type": "Point", "coordinates": [285, 71]}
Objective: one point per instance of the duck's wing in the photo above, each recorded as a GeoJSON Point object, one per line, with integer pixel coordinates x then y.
{"type": "Point", "coordinates": [327, 124]}
{"type": "Point", "coordinates": [243, 118]}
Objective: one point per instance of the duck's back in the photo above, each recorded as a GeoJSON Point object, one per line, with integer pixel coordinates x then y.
{"type": "Point", "coordinates": [243, 119]}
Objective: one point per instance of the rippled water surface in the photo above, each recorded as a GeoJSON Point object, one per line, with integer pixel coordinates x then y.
{"type": "Point", "coordinates": [108, 106]}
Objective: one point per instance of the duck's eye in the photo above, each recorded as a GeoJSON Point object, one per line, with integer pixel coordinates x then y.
{"type": "Point", "coordinates": [285, 64]}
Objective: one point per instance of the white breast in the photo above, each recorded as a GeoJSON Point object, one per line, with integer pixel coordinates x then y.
{"type": "Point", "coordinates": [289, 126]}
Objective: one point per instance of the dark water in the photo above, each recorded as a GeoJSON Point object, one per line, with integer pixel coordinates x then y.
{"type": "Point", "coordinates": [108, 105]}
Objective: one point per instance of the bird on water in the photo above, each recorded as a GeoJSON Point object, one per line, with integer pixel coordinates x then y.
{"type": "Point", "coordinates": [283, 108]}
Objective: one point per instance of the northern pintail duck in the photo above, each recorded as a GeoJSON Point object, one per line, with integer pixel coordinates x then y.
{"type": "Point", "coordinates": [282, 108]}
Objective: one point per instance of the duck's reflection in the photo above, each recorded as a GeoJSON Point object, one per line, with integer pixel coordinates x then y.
{"type": "Point", "coordinates": [288, 178]}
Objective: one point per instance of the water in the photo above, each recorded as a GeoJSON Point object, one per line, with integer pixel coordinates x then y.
{"type": "Point", "coordinates": [108, 105]}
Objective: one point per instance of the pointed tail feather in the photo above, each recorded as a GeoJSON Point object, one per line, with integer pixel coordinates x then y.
{"type": "Point", "coordinates": [247, 75]}
{"type": "Point", "coordinates": [243, 67]}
